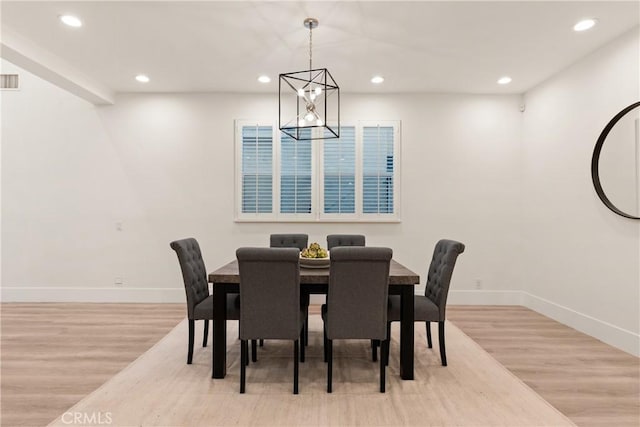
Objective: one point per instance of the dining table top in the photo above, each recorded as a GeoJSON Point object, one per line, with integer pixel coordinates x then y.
{"type": "Point", "coordinates": [398, 274]}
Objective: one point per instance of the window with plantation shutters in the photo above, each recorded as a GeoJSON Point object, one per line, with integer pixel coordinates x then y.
{"type": "Point", "coordinates": [378, 162]}
{"type": "Point", "coordinates": [295, 174]}
{"type": "Point", "coordinates": [339, 167]}
{"type": "Point", "coordinates": [257, 169]}
{"type": "Point", "coordinates": [356, 175]}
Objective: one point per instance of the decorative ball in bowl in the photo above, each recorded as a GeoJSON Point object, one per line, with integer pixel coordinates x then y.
{"type": "Point", "coordinates": [314, 257]}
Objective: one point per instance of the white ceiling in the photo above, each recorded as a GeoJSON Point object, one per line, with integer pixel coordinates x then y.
{"type": "Point", "coordinates": [224, 46]}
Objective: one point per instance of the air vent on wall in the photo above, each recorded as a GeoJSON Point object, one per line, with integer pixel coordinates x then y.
{"type": "Point", "coordinates": [9, 81]}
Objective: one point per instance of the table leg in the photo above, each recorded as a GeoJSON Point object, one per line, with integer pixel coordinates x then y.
{"type": "Point", "coordinates": [219, 362]}
{"type": "Point", "coordinates": [406, 333]}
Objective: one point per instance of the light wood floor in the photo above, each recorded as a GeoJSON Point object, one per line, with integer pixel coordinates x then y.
{"type": "Point", "coordinates": [590, 382]}
{"type": "Point", "coordinates": [55, 354]}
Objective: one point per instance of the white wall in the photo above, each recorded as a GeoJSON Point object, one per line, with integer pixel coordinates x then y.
{"type": "Point", "coordinates": [162, 166]}
{"type": "Point", "coordinates": [63, 189]}
{"type": "Point", "coordinates": [581, 261]}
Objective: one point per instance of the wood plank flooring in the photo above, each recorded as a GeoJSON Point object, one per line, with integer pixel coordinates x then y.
{"type": "Point", "coordinates": [55, 354]}
{"type": "Point", "coordinates": [589, 381]}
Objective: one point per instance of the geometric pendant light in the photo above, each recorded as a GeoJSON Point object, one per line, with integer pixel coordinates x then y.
{"type": "Point", "coordinates": [309, 100]}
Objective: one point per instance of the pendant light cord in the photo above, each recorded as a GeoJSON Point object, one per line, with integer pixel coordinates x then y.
{"type": "Point", "coordinates": [310, 46]}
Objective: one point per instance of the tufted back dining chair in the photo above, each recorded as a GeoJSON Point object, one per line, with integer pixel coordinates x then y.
{"type": "Point", "coordinates": [289, 241]}
{"type": "Point", "coordinates": [334, 240]}
{"type": "Point", "coordinates": [357, 300]}
{"type": "Point", "coordinates": [433, 305]}
{"type": "Point", "coordinates": [443, 261]}
{"type": "Point", "coordinates": [270, 300]}
{"type": "Point", "coordinates": [196, 287]}
{"type": "Point", "coordinates": [299, 241]}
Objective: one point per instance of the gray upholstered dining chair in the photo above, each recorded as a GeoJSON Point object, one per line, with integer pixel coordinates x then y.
{"type": "Point", "coordinates": [289, 241]}
{"type": "Point", "coordinates": [356, 305]}
{"type": "Point", "coordinates": [299, 241]}
{"type": "Point", "coordinates": [270, 301]}
{"type": "Point", "coordinates": [199, 301]}
{"type": "Point", "coordinates": [432, 306]}
{"type": "Point", "coordinates": [334, 240]}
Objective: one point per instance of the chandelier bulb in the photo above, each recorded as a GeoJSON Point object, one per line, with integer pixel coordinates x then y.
{"type": "Point", "coordinates": [309, 117]}
{"type": "Point", "coordinates": [300, 92]}
{"type": "Point", "coordinates": [319, 122]}
{"type": "Point", "coordinates": [318, 90]}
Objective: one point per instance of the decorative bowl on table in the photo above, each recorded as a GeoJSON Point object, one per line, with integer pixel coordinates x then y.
{"type": "Point", "coordinates": [314, 257]}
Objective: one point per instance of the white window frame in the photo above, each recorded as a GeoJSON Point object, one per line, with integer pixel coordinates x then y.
{"type": "Point", "coordinates": [317, 178]}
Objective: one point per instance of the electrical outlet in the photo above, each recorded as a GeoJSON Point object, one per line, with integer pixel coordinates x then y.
{"type": "Point", "coordinates": [478, 283]}
{"type": "Point", "coordinates": [119, 282]}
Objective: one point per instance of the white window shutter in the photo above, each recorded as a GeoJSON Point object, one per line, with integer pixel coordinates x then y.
{"type": "Point", "coordinates": [378, 164]}
{"type": "Point", "coordinates": [340, 172]}
{"type": "Point", "coordinates": [257, 169]}
{"type": "Point", "coordinates": [295, 175]}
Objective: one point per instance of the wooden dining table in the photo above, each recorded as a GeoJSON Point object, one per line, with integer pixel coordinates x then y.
{"type": "Point", "coordinates": [226, 280]}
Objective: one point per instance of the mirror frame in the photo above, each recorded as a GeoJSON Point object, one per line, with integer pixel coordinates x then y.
{"type": "Point", "coordinates": [595, 160]}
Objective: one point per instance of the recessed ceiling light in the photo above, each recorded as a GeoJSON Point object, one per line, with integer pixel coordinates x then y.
{"type": "Point", "coordinates": [70, 20]}
{"type": "Point", "coordinates": [377, 79]}
{"type": "Point", "coordinates": [142, 78]}
{"type": "Point", "coordinates": [584, 25]}
{"type": "Point", "coordinates": [264, 79]}
{"type": "Point", "coordinates": [504, 80]}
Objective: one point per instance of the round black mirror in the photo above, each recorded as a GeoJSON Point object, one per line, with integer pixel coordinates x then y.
{"type": "Point", "coordinates": [615, 167]}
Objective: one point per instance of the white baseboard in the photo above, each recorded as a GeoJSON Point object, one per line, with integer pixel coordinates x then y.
{"type": "Point", "coordinates": [615, 336]}
{"type": "Point", "coordinates": [97, 295]}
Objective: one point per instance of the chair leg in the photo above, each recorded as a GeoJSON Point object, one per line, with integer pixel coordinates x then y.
{"type": "Point", "coordinates": [192, 325]}
{"type": "Point", "coordinates": [443, 353]}
{"type": "Point", "coordinates": [296, 346]}
{"type": "Point", "coordinates": [428, 326]}
{"type": "Point", "coordinates": [307, 300]}
{"type": "Point", "coordinates": [261, 343]}
{"type": "Point", "coordinates": [206, 332]}
{"type": "Point", "coordinates": [302, 350]}
{"type": "Point", "coordinates": [374, 350]}
{"type": "Point", "coordinates": [326, 343]}
{"type": "Point", "coordinates": [306, 329]}
{"type": "Point", "coordinates": [254, 351]}
{"type": "Point", "coordinates": [244, 349]}
{"type": "Point", "coordinates": [387, 344]}
{"type": "Point", "coordinates": [329, 364]}
{"type": "Point", "coordinates": [384, 348]}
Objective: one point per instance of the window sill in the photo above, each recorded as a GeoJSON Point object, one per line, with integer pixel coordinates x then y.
{"type": "Point", "coordinates": [319, 221]}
